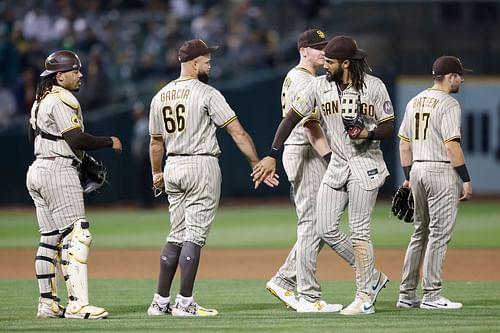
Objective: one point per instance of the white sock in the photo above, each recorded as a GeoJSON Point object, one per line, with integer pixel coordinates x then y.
{"type": "Point", "coordinates": [184, 301]}
{"type": "Point", "coordinates": [162, 301]}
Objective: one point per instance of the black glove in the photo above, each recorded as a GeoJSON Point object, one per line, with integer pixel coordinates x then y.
{"type": "Point", "coordinates": [92, 174]}
{"type": "Point", "coordinates": [402, 204]}
{"type": "Point", "coordinates": [353, 126]}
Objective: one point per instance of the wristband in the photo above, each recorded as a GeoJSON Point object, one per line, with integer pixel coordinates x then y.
{"type": "Point", "coordinates": [406, 171]}
{"type": "Point", "coordinates": [327, 157]}
{"type": "Point", "coordinates": [463, 173]}
{"type": "Point", "coordinates": [370, 135]}
{"type": "Point", "coordinates": [274, 153]}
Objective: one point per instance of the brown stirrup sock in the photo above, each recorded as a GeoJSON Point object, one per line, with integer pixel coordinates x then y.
{"type": "Point", "coordinates": [188, 262]}
{"type": "Point", "coordinates": [169, 259]}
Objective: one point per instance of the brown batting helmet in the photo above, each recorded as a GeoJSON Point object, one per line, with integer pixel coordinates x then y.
{"type": "Point", "coordinates": [61, 61]}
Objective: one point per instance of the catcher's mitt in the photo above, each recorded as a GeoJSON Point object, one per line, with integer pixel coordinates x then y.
{"type": "Point", "coordinates": [92, 174]}
{"type": "Point", "coordinates": [402, 204]}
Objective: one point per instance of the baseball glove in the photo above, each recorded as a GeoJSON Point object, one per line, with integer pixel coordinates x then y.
{"type": "Point", "coordinates": [402, 204]}
{"type": "Point", "coordinates": [353, 125]}
{"type": "Point", "coordinates": [93, 174]}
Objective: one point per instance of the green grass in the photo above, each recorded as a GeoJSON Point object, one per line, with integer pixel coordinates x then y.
{"type": "Point", "coordinates": [245, 306]}
{"type": "Point", "coordinates": [250, 227]}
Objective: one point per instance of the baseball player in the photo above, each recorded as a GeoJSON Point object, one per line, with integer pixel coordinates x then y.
{"type": "Point", "coordinates": [434, 167]}
{"type": "Point", "coordinates": [184, 116]}
{"type": "Point", "coordinates": [357, 168]}
{"type": "Point", "coordinates": [305, 169]}
{"type": "Point", "coordinates": [57, 132]}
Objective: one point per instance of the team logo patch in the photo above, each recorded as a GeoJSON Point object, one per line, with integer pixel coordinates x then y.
{"type": "Point", "coordinates": [321, 34]}
{"type": "Point", "coordinates": [388, 107]}
{"type": "Point", "coordinates": [75, 120]}
{"type": "Point", "coordinates": [373, 173]}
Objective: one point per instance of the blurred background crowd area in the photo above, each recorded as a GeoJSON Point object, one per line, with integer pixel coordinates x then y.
{"type": "Point", "coordinates": [129, 48]}
{"type": "Point", "coordinates": [129, 51]}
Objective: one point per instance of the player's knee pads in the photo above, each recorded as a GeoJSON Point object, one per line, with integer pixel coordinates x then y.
{"type": "Point", "coordinates": [81, 238]}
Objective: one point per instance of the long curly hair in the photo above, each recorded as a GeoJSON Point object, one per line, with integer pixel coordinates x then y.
{"type": "Point", "coordinates": [357, 71]}
{"type": "Point", "coordinates": [45, 86]}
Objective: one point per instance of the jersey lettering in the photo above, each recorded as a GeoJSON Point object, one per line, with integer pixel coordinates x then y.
{"type": "Point", "coordinates": [330, 108]}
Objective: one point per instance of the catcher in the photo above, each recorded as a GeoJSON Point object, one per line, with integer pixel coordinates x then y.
{"type": "Point", "coordinates": [56, 130]}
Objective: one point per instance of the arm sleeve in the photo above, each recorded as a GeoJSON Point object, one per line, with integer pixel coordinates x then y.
{"type": "Point", "coordinates": [384, 130]}
{"type": "Point", "coordinates": [384, 110]}
{"type": "Point", "coordinates": [285, 128]}
{"type": "Point", "coordinates": [79, 140]}
{"type": "Point", "coordinates": [404, 130]}
{"type": "Point", "coordinates": [218, 108]}
{"type": "Point", "coordinates": [450, 124]}
{"type": "Point", "coordinates": [156, 125]}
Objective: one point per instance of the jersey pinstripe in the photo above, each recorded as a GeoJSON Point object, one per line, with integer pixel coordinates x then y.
{"type": "Point", "coordinates": [295, 81]}
{"type": "Point", "coordinates": [363, 158]}
{"type": "Point", "coordinates": [58, 113]}
{"type": "Point", "coordinates": [356, 170]}
{"type": "Point", "coordinates": [186, 113]}
{"type": "Point", "coordinates": [305, 170]}
{"type": "Point", "coordinates": [432, 118]}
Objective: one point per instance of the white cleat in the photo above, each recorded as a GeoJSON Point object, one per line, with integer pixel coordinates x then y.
{"type": "Point", "coordinates": [378, 284]}
{"type": "Point", "coordinates": [408, 303]}
{"type": "Point", "coordinates": [317, 306]}
{"type": "Point", "coordinates": [192, 310]}
{"type": "Point", "coordinates": [74, 310]}
{"type": "Point", "coordinates": [156, 309]}
{"type": "Point", "coordinates": [286, 296]}
{"type": "Point", "coordinates": [48, 308]}
{"type": "Point", "coordinates": [360, 306]}
{"type": "Point", "coordinates": [441, 303]}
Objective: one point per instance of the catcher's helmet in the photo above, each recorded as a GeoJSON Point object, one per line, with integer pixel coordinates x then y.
{"type": "Point", "coordinates": [61, 61]}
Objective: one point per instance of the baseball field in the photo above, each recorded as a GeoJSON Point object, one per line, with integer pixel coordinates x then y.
{"type": "Point", "coordinates": [245, 248]}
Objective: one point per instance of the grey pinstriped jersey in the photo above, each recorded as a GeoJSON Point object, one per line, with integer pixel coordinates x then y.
{"type": "Point", "coordinates": [362, 157]}
{"type": "Point", "coordinates": [296, 80]}
{"type": "Point", "coordinates": [432, 118]}
{"type": "Point", "coordinates": [58, 113]}
{"type": "Point", "coordinates": [185, 113]}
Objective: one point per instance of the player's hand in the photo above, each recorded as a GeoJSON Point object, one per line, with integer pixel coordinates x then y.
{"type": "Point", "coordinates": [406, 184]}
{"type": "Point", "coordinates": [158, 183]}
{"type": "Point", "coordinates": [466, 191]}
{"type": "Point", "coordinates": [264, 169]}
{"type": "Point", "coordinates": [117, 145]}
{"type": "Point", "coordinates": [272, 181]}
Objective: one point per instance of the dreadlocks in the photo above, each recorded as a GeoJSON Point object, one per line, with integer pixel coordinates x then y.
{"type": "Point", "coordinates": [44, 87]}
{"type": "Point", "coordinates": [357, 71]}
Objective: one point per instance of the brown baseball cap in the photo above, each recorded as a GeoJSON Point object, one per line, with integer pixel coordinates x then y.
{"type": "Point", "coordinates": [448, 64]}
{"type": "Point", "coordinates": [311, 38]}
{"type": "Point", "coordinates": [343, 47]}
{"type": "Point", "coordinates": [194, 48]}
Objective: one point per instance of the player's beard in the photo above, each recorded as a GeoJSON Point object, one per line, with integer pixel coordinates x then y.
{"type": "Point", "coordinates": [335, 76]}
{"type": "Point", "coordinates": [203, 77]}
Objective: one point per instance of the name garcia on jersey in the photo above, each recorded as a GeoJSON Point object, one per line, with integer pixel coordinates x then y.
{"type": "Point", "coordinates": [170, 95]}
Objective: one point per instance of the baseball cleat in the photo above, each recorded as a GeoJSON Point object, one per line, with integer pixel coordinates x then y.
{"type": "Point", "coordinates": [160, 306]}
{"type": "Point", "coordinates": [48, 308]}
{"type": "Point", "coordinates": [378, 284]}
{"type": "Point", "coordinates": [286, 296]}
{"type": "Point", "coordinates": [441, 303]}
{"type": "Point", "coordinates": [192, 310]}
{"type": "Point", "coordinates": [318, 306]}
{"type": "Point", "coordinates": [75, 310]}
{"type": "Point", "coordinates": [360, 306]}
{"type": "Point", "coordinates": [408, 303]}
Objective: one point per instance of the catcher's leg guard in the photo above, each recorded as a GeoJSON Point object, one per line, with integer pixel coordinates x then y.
{"type": "Point", "coordinates": [46, 266]}
{"type": "Point", "coordinates": [76, 250]}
